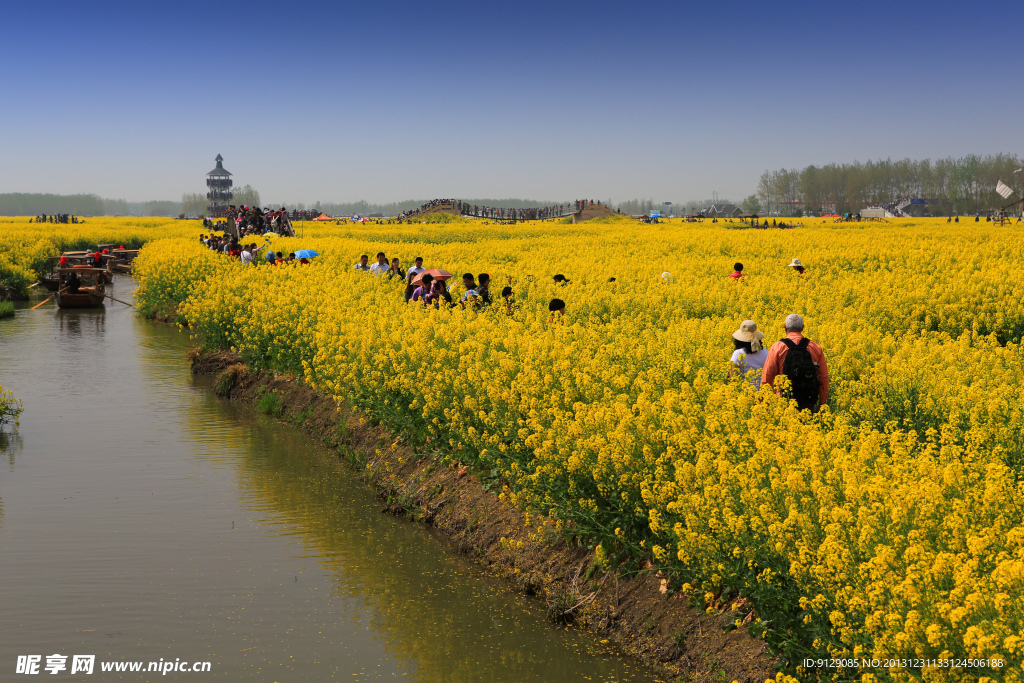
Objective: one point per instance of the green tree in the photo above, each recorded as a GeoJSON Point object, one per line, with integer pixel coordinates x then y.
{"type": "Point", "coordinates": [194, 204]}
{"type": "Point", "coordinates": [246, 196]}
{"type": "Point", "coordinates": [751, 204]}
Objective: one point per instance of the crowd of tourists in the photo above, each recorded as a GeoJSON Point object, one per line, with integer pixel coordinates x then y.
{"type": "Point", "coordinates": [55, 218]}
{"type": "Point", "coordinates": [252, 220]}
{"type": "Point", "coordinates": [582, 204]}
{"type": "Point", "coordinates": [248, 253]}
{"type": "Point", "coordinates": [801, 360]}
{"type": "Point", "coordinates": [796, 357]}
{"type": "Point", "coordinates": [527, 214]}
{"type": "Point", "coordinates": [426, 206]}
{"type": "Point", "coordinates": [429, 287]}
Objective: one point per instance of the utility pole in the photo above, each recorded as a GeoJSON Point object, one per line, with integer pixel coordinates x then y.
{"type": "Point", "coordinates": [1019, 170]}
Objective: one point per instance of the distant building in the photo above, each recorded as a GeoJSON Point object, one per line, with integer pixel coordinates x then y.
{"type": "Point", "coordinates": [722, 211]}
{"type": "Point", "coordinates": [218, 183]}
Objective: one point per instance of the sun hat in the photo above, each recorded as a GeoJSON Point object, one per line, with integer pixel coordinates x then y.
{"type": "Point", "coordinates": [749, 333]}
{"type": "Point", "coordinates": [795, 264]}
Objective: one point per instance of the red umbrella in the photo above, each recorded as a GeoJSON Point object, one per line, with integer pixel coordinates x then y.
{"type": "Point", "coordinates": [436, 272]}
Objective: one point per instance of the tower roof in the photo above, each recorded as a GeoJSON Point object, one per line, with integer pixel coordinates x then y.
{"type": "Point", "coordinates": [220, 170]}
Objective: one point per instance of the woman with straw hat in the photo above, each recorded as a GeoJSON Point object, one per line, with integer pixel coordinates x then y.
{"type": "Point", "coordinates": [749, 356]}
{"type": "Point", "coordinates": [797, 266]}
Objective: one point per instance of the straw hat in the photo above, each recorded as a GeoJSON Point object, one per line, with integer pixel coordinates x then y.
{"type": "Point", "coordinates": [795, 264]}
{"type": "Point", "coordinates": [748, 332]}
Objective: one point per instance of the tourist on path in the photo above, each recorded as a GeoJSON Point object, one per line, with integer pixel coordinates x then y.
{"type": "Point", "coordinates": [381, 266]}
{"type": "Point", "coordinates": [410, 276]}
{"type": "Point", "coordinates": [748, 357]}
{"type": "Point", "coordinates": [806, 367]}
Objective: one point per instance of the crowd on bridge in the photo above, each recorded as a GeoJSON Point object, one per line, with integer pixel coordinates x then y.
{"type": "Point", "coordinates": [426, 206]}
{"type": "Point", "coordinates": [527, 214]}
{"type": "Point", "coordinates": [56, 218]}
{"type": "Point", "coordinates": [492, 212]}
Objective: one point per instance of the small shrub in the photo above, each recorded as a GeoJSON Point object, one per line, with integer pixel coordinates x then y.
{"type": "Point", "coordinates": [10, 407]}
{"type": "Point", "coordinates": [271, 404]}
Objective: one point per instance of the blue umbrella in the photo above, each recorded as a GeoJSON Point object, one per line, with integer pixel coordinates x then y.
{"type": "Point", "coordinates": [305, 253]}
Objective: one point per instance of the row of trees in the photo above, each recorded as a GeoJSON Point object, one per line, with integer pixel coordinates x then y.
{"type": "Point", "coordinates": [635, 207]}
{"type": "Point", "coordinates": [195, 204]}
{"type": "Point", "coordinates": [35, 204]}
{"type": "Point", "coordinates": [965, 185]}
{"type": "Point", "coordinates": [26, 204]}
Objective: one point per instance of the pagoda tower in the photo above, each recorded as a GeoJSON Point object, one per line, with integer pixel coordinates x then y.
{"type": "Point", "coordinates": [218, 182]}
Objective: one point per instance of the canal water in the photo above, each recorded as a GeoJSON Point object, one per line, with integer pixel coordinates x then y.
{"type": "Point", "coordinates": [143, 519]}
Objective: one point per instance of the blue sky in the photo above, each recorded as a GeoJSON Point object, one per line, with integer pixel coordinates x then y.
{"type": "Point", "coordinates": [389, 100]}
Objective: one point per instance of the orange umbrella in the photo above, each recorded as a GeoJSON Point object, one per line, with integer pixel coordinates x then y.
{"type": "Point", "coordinates": [436, 272]}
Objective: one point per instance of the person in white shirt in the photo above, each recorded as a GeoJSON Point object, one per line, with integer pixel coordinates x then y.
{"type": "Point", "coordinates": [248, 255]}
{"type": "Point", "coordinates": [749, 356]}
{"type": "Point", "coordinates": [410, 275]}
{"type": "Point", "coordinates": [381, 266]}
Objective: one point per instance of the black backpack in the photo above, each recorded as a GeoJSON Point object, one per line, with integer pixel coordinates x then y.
{"type": "Point", "coordinates": [802, 372]}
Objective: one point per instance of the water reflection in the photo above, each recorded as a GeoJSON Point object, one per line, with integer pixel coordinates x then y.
{"type": "Point", "coordinates": [10, 444]}
{"type": "Point", "coordinates": [73, 321]}
{"type": "Point", "coordinates": [432, 609]}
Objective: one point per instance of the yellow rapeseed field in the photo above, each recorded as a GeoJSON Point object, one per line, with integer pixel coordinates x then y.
{"type": "Point", "coordinates": [888, 527]}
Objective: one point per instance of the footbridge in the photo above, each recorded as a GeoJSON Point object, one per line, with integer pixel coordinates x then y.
{"type": "Point", "coordinates": [580, 210]}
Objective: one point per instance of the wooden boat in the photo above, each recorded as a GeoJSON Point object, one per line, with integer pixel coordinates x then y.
{"type": "Point", "coordinates": [92, 291]}
{"type": "Point", "coordinates": [120, 260]}
{"type": "Point", "coordinates": [52, 281]}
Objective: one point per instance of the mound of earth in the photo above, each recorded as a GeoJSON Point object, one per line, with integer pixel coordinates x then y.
{"type": "Point", "coordinates": [441, 208]}
{"type": "Point", "coordinates": [592, 211]}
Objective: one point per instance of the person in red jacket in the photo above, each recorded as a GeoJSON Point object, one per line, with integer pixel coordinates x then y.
{"type": "Point", "coordinates": [776, 361]}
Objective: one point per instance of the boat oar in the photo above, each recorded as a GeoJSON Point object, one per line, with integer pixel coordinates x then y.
{"type": "Point", "coordinates": [43, 301]}
{"type": "Point", "coordinates": [117, 300]}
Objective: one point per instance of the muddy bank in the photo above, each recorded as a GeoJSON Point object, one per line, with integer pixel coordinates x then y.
{"type": "Point", "coordinates": [638, 613]}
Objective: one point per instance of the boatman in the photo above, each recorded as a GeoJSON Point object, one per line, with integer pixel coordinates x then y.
{"type": "Point", "coordinates": [74, 283]}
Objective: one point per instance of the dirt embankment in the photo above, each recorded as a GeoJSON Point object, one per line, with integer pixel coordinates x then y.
{"type": "Point", "coordinates": [592, 211]}
{"type": "Point", "coordinates": [637, 612]}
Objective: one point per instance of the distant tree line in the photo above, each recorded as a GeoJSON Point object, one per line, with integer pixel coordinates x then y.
{"type": "Point", "coordinates": [36, 204]}
{"type": "Point", "coordinates": [635, 207]}
{"type": "Point", "coordinates": [967, 185]}
{"type": "Point", "coordinates": [25, 204]}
